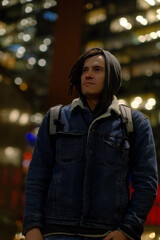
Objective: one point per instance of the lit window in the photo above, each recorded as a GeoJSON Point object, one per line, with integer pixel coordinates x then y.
{"type": "Point", "coordinates": [124, 23]}
{"type": "Point", "coordinates": [5, 2]}
{"type": "Point", "coordinates": [122, 101]}
{"type": "Point", "coordinates": [24, 22]}
{"type": "Point", "coordinates": [150, 2]}
{"type": "Point", "coordinates": [42, 62]}
{"type": "Point", "coordinates": [32, 61]}
{"type": "Point", "coordinates": [153, 35]}
{"type": "Point", "coordinates": [151, 102]}
{"type": "Point", "coordinates": [21, 50]}
{"type": "Point", "coordinates": [141, 20]}
{"type": "Point", "coordinates": [26, 37]}
{"type": "Point", "coordinates": [23, 86]}
{"type": "Point", "coordinates": [14, 115]}
{"type": "Point", "coordinates": [2, 31]}
{"type": "Point", "coordinates": [29, 8]}
{"type": "Point", "coordinates": [18, 81]}
{"type": "Point", "coordinates": [47, 41]}
{"type": "Point", "coordinates": [49, 3]}
{"type": "Point", "coordinates": [96, 16]}
{"type": "Point", "coordinates": [89, 6]}
{"type": "Point", "coordinates": [24, 119]}
{"type": "Point", "coordinates": [36, 118]}
{"type": "Point", "coordinates": [137, 101]}
{"type": "Point", "coordinates": [43, 48]}
{"type": "Point", "coordinates": [141, 39]}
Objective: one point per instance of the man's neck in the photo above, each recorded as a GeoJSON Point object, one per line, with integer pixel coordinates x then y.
{"type": "Point", "coordinates": [92, 103]}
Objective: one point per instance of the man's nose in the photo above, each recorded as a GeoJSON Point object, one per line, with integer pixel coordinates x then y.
{"type": "Point", "coordinates": [89, 74]}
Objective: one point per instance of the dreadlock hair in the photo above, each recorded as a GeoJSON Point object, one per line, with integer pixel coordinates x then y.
{"type": "Point", "coordinates": [76, 71]}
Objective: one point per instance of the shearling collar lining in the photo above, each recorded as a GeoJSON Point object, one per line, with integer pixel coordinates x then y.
{"type": "Point", "coordinates": [113, 107]}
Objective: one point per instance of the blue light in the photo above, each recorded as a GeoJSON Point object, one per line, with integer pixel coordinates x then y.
{"type": "Point", "coordinates": [50, 16]}
{"type": "Point", "coordinates": [31, 137]}
{"type": "Point", "coordinates": [14, 47]}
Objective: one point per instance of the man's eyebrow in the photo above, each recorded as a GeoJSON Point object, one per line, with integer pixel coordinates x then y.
{"type": "Point", "coordinates": [98, 66]}
{"type": "Point", "coordinates": [94, 66]}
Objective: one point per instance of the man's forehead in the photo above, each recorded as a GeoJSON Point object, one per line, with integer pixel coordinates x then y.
{"type": "Point", "coordinates": [97, 60]}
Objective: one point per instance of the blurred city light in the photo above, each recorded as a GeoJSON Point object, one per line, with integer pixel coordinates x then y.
{"type": "Point", "coordinates": [150, 103]}
{"type": "Point", "coordinates": [50, 16]}
{"type": "Point", "coordinates": [43, 48]}
{"type": "Point", "coordinates": [142, 20]}
{"type": "Point", "coordinates": [124, 23]}
{"type": "Point", "coordinates": [24, 119]}
{"type": "Point", "coordinates": [23, 86]}
{"type": "Point", "coordinates": [19, 236]}
{"type": "Point", "coordinates": [27, 37]}
{"type": "Point", "coordinates": [122, 101]}
{"type": "Point", "coordinates": [42, 62]}
{"type": "Point", "coordinates": [18, 80]}
{"type": "Point", "coordinates": [49, 3]}
{"type": "Point", "coordinates": [47, 41]}
{"type": "Point", "coordinates": [96, 16]}
{"type": "Point", "coordinates": [14, 115]}
{"type": "Point", "coordinates": [2, 31]}
{"type": "Point", "coordinates": [29, 8]}
{"type": "Point", "coordinates": [150, 2]}
{"type": "Point", "coordinates": [5, 2]}
{"type": "Point", "coordinates": [32, 60]}
{"type": "Point", "coordinates": [152, 235]}
{"type": "Point", "coordinates": [36, 118]}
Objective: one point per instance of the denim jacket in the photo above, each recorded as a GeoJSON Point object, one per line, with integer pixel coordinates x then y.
{"type": "Point", "coordinates": [80, 176]}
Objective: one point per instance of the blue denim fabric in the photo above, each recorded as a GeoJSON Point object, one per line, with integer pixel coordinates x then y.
{"type": "Point", "coordinates": [80, 177]}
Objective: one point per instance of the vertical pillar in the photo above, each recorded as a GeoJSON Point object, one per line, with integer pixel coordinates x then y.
{"type": "Point", "coordinates": [67, 48]}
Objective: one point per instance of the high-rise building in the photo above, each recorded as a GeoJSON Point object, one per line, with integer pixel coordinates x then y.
{"type": "Point", "coordinates": [39, 42]}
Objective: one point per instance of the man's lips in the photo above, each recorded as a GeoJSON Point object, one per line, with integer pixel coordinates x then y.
{"type": "Point", "coordinates": [88, 83]}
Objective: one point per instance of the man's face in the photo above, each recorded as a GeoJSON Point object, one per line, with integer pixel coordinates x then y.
{"type": "Point", "coordinates": [92, 78]}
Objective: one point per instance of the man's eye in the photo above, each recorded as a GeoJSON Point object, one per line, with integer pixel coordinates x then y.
{"type": "Point", "coordinates": [84, 70]}
{"type": "Point", "coordinates": [97, 69]}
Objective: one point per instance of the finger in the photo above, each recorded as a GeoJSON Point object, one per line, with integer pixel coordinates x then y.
{"type": "Point", "coordinates": [108, 237]}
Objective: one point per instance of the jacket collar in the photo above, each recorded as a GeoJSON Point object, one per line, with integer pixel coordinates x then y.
{"type": "Point", "coordinates": [113, 107]}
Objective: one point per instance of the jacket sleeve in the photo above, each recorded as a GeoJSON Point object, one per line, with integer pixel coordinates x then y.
{"type": "Point", "coordinates": [38, 177]}
{"type": "Point", "coordinates": [144, 178]}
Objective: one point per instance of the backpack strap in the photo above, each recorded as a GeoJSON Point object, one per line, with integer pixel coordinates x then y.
{"type": "Point", "coordinates": [54, 118]}
{"type": "Point", "coordinates": [126, 113]}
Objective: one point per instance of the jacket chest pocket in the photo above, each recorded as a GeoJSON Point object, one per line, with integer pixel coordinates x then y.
{"type": "Point", "coordinates": [116, 150]}
{"type": "Point", "coordinates": [70, 146]}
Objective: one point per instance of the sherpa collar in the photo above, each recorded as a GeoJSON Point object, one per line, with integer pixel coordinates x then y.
{"type": "Point", "coordinates": [113, 107]}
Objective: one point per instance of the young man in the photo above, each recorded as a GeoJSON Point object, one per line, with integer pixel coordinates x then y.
{"type": "Point", "coordinates": [78, 181]}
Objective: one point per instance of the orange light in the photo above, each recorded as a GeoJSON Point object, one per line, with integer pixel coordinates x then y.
{"type": "Point", "coordinates": [24, 86]}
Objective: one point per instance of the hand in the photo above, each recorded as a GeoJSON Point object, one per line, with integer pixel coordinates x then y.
{"type": "Point", "coordinates": [116, 235]}
{"type": "Point", "coordinates": [34, 233]}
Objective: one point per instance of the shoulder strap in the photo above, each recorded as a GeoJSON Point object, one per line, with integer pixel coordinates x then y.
{"type": "Point", "coordinates": [54, 117]}
{"type": "Point", "coordinates": [127, 117]}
